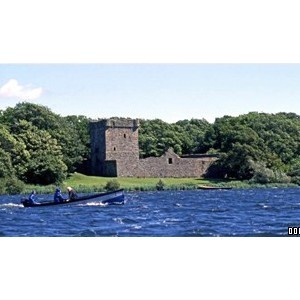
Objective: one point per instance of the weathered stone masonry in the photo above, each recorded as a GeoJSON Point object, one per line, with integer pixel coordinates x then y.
{"type": "Point", "coordinates": [115, 152]}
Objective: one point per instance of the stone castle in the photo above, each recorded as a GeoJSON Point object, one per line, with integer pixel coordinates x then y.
{"type": "Point", "coordinates": [115, 153]}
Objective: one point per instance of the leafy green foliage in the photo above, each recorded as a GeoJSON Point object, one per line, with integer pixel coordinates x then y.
{"type": "Point", "coordinates": [14, 186]}
{"type": "Point", "coordinates": [112, 185]}
{"type": "Point", "coordinates": [160, 186]}
{"type": "Point", "coordinates": [45, 165]}
{"type": "Point", "coordinates": [185, 137]}
{"type": "Point", "coordinates": [71, 132]}
{"type": "Point", "coordinates": [2, 186]}
{"type": "Point", "coordinates": [77, 141]}
{"type": "Point", "coordinates": [258, 146]}
{"type": "Point", "coordinates": [41, 146]}
{"type": "Point", "coordinates": [6, 168]}
{"type": "Point", "coordinates": [15, 152]}
{"type": "Point", "coordinates": [11, 185]}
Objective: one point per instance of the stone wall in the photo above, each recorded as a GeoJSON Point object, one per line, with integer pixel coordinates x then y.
{"type": "Point", "coordinates": [115, 152]}
{"type": "Point", "coordinates": [172, 165]}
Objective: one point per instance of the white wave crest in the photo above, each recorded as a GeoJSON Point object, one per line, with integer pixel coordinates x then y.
{"type": "Point", "coordinates": [94, 204]}
{"type": "Point", "coordinates": [11, 205]}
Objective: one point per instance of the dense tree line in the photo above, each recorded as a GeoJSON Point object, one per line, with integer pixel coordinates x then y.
{"type": "Point", "coordinates": [185, 137]}
{"type": "Point", "coordinates": [41, 147]}
{"type": "Point", "coordinates": [257, 146]}
{"type": "Point", "coordinates": [260, 147]}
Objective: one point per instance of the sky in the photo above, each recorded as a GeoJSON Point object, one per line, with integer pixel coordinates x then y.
{"type": "Point", "coordinates": [170, 92]}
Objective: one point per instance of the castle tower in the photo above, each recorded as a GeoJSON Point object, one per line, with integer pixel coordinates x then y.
{"type": "Point", "coordinates": [114, 147]}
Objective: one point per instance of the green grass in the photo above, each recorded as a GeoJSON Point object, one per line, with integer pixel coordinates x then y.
{"type": "Point", "coordinates": [83, 183]}
{"type": "Point", "coordinates": [89, 184]}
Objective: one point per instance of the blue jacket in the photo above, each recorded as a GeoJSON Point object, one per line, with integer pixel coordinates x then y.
{"type": "Point", "coordinates": [32, 197]}
{"type": "Point", "coordinates": [58, 196]}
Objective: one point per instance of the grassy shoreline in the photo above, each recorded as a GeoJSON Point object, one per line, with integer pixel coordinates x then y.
{"type": "Point", "coordinates": [88, 184]}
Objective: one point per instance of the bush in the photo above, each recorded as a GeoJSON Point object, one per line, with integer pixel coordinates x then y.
{"type": "Point", "coordinates": [14, 186]}
{"type": "Point", "coordinates": [2, 186]}
{"type": "Point", "coordinates": [295, 180]}
{"type": "Point", "coordinates": [281, 177]}
{"type": "Point", "coordinates": [264, 175]}
{"type": "Point", "coordinates": [160, 186]}
{"type": "Point", "coordinates": [112, 185]}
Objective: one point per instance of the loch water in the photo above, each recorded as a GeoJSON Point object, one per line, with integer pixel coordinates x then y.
{"type": "Point", "coordinates": [192, 213]}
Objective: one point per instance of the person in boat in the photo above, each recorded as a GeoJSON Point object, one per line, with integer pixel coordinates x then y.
{"type": "Point", "coordinates": [31, 197]}
{"type": "Point", "coordinates": [72, 193]}
{"type": "Point", "coordinates": [58, 196]}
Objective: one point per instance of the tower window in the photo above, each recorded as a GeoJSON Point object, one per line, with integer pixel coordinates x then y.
{"type": "Point", "coordinates": [114, 148]}
{"type": "Point", "coordinates": [170, 161]}
{"type": "Point", "coordinates": [124, 135]}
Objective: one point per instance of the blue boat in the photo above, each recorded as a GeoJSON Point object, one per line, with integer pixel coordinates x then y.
{"type": "Point", "coordinates": [108, 198]}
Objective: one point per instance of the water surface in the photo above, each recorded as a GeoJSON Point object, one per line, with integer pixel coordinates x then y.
{"type": "Point", "coordinates": [237, 212]}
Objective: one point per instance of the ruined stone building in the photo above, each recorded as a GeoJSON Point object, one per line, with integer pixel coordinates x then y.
{"type": "Point", "coordinates": [115, 153]}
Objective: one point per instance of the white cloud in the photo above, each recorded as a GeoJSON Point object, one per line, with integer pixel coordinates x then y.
{"type": "Point", "coordinates": [12, 89]}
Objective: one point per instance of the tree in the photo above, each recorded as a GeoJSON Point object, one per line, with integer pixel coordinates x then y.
{"type": "Point", "coordinates": [255, 139]}
{"type": "Point", "coordinates": [71, 132]}
{"type": "Point", "coordinates": [185, 137]}
{"type": "Point", "coordinates": [75, 140]}
{"type": "Point", "coordinates": [45, 165]}
{"type": "Point", "coordinates": [15, 152]}
{"type": "Point", "coordinates": [6, 168]}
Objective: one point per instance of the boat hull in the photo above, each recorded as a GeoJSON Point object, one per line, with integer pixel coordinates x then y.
{"type": "Point", "coordinates": [109, 198]}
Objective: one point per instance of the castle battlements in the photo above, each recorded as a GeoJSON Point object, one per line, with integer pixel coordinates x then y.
{"type": "Point", "coordinates": [116, 123]}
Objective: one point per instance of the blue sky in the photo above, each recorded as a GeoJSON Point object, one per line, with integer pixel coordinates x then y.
{"type": "Point", "coordinates": [170, 92]}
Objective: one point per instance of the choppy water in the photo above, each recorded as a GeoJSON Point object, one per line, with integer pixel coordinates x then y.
{"type": "Point", "coordinates": [237, 212]}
